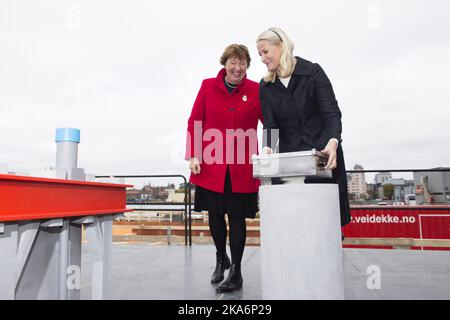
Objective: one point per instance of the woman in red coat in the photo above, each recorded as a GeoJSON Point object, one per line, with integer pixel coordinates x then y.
{"type": "Point", "coordinates": [221, 140]}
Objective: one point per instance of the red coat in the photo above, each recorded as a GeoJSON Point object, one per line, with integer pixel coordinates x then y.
{"type": "Point", "coordinates": [216, 110]}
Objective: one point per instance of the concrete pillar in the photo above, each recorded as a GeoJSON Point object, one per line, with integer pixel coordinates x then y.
{"type": "Point", "coordinates": [301, 249]}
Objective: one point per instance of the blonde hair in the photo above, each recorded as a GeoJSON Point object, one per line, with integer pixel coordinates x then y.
{"type": "Point", "coordinates": [276, 36]}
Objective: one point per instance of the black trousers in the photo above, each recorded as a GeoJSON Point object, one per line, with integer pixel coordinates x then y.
{"type": "Point", "coordinates": [237, 206]}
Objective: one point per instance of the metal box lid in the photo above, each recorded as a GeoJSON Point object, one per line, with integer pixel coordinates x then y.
{"type": "Point", "coordinates": [291, 164]}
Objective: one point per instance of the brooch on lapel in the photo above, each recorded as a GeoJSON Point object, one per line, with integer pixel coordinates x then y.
{"type": "Point", "coordinates": [244, 98]}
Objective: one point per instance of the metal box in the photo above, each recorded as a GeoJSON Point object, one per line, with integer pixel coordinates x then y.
{"type": "Point", "coordinates": [291, 164]}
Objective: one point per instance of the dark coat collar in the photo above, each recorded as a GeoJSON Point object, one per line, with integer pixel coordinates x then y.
{"type": "Point", "coordinates": [303, 67]}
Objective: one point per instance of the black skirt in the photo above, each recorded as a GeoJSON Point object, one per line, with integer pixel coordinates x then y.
{"type": "Point", "coordinates": [235, 204]}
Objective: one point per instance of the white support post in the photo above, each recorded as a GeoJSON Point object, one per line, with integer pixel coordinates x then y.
{"type": "Point", "coordinates": [301, 248]}
{"type": "Point", "coordinates": [8, 248]}
{"type": "Point", "coordinates": [63, 260]}
{"type": "Point", "coordinates": [99, 237]}
{"type": "Point", "coordinates": [27, 235]}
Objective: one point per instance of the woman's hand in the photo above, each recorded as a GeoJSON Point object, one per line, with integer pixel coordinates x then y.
{"type": "Point", "coordinates": [194, 165]}
{"type": "Point", "coordinates": [267, 150]}
{"type": "Point", "coordinates": [331, 151]}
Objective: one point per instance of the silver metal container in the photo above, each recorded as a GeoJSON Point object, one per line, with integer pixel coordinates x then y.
{"type": "Point", "coordinates": [291, 165]}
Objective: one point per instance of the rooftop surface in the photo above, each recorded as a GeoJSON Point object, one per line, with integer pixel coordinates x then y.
{"type": "Point", "coordinates": [177, 272]}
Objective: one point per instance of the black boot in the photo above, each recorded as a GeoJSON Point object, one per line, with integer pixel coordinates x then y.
{"type": "Point", "coordinates": [222, 263]}
{"type": "Point", "coordinates": [233, 281]}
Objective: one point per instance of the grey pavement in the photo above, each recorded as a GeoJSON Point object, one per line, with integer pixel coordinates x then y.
{"type": "Point", "coordinates": [176, 272]}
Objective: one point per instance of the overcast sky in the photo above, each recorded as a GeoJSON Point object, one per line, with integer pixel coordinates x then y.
{"type": "Point", "coordinates": [126, 74]}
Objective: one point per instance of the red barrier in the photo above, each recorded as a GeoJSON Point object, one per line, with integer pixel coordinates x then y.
{"type": "Point", "coordinates": [417, 222]}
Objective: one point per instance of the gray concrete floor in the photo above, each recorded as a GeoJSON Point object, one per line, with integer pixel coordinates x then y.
{"type": "Point", "coordinates": [176, 272]}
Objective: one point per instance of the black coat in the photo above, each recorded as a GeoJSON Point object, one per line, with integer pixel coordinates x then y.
{"type": "Point", "coordinates": [307, 116]}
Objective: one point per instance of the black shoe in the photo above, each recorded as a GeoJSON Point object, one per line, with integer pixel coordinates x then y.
{"type": "Point", "coordinates": [222, 263]}
{"type": "Point", "coordinates": [233, 281]}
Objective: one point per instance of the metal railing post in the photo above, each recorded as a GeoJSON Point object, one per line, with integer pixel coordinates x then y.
{"type": "Point", "coordinates": [187, 200]}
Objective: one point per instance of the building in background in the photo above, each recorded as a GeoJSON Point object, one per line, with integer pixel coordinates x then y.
{"type": "Point", "coordinates": [401, 187]}
{"type": "Point", "coordinates": [382, 177]}
{"type": "Point", "coordinates": [372, 191]}
{"type": "Point", "coordinates": [133, 196]}
{"type": "Point", "coordinates": [356, 183]}
{"type": "Point", "coordinates": [432, 187]}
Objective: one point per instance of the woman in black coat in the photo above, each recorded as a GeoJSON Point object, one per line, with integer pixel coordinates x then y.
{"type": "Point", "coordinates": [297, 98]}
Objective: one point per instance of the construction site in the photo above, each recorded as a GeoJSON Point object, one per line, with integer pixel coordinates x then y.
{"type": "Point", "coordinates": [70, 235]}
